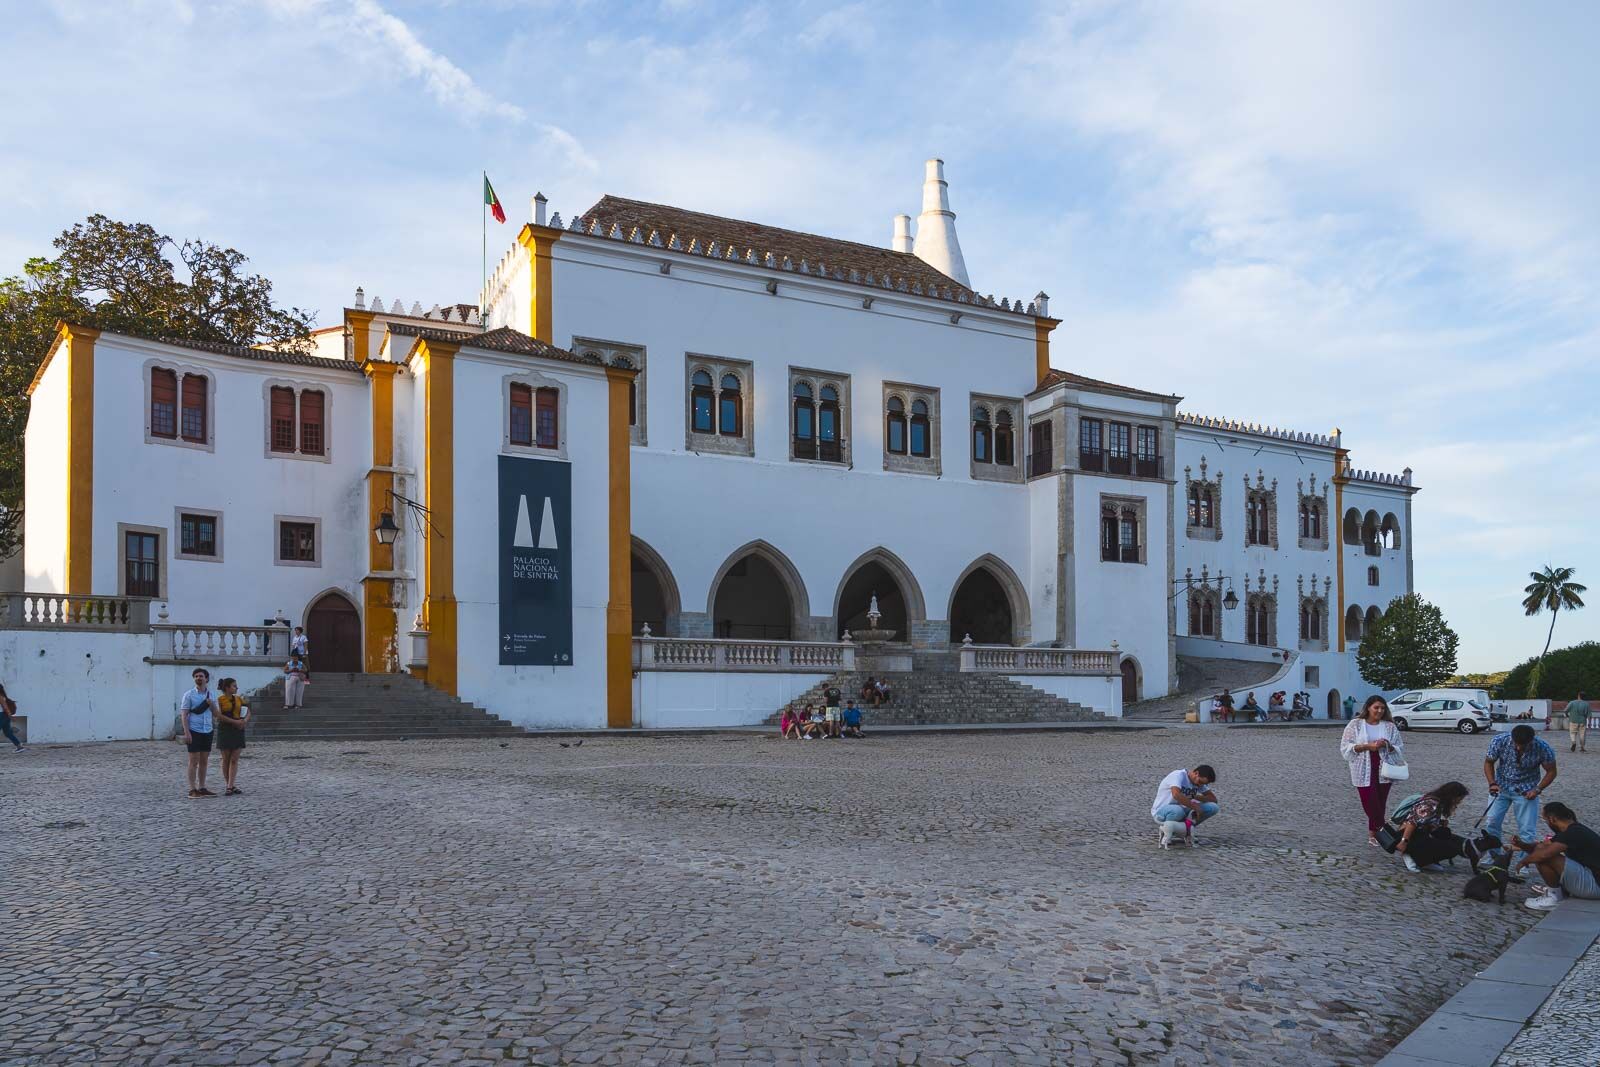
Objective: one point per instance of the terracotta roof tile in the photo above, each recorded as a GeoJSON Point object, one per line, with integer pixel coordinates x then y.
{"type": "Point", "coordinates": [503, 339]}
{"type": "Point", "coordinates": [1060, 377]}
{"type": "Point", "coordinates": [832, 253]}
{"type": "Point", "coordinates": [265, 355]}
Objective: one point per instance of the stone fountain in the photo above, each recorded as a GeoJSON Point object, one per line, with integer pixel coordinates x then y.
{"type": "Point", "coordinates": [872, 654]}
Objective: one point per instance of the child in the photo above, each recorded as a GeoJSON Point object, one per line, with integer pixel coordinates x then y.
{"type": "Point", "coordinates": [852, 720]}
{"type": "Point", "coordinates": [294, 683]}
{"type": "Point", "coordinates": [8, 709]}
{"type": "Point", "coordinates": [195, 712]}
{"type": "Point", "coordinates": [232, 711]}
{"type": "Point", "coordinates": [789, 725]}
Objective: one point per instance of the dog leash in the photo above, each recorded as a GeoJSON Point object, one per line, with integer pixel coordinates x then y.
{"type": "Point", "coordinates": [1485, 814]}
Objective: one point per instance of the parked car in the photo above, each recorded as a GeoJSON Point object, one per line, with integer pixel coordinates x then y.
{"type": "Point", "coordinates": [1466, 710]}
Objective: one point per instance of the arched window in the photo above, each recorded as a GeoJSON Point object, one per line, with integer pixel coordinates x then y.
{"type": "Point", "coordinates": [805, 422]}
{"type": "Point", "coordinates": [1391, 531]}
{"type": "Point", "coordinates": [1352, 624]}
{"type": "Point", "coordinates": [1372, 576]}
{"type": "Point", "coordinates": [1119, 533]}
{"type": "Point", "coordinates": [1374, 616]}
{"type": "Point", "coordinates": [1259, 612]}
{"type": "Point", "coordinates": [633, 389]}
{"type": "Point", "coordinates": [1202, 509]}
{"type": "Point", "coordinates": [1258, 517]}
{"type": "Point", "coordinates": [1371, 542]}
{"type": "Point", "coordinates": [895, 430]}
{"type": "Point", "coordinates": [1202, 612]}
{"type": "Point", "coordinates": [1352, 527]}
{"type": "Point", "coordinates": [1311, 620]}
{"type": "Point", "coordinates": [828, 435]}
{"type": "Point", "coordinates": [1005, 440]}
{"type": "Point", "coordinates": [982, 435]}
{"type": "Point", "coordinates": [730, 408]}
{"type": "Point", "coordinates": [921, 445]}
{"type": "Point", "coordinates": [702, 403]}
{"type": "Point", "coordinates": [1315, 517]}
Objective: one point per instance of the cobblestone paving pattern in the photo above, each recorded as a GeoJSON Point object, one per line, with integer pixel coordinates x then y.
{"type": "Point", "coordinates": [988, 899]}
{"type": "Point", "coordinates": [1566, 1031]}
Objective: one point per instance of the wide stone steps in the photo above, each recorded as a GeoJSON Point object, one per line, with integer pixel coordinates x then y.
{"type": "Point", "coordinates": [370, 707]}
{"type": "Point", "coordinates": [929, 698]}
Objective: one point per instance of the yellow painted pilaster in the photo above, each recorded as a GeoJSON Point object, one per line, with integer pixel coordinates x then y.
{"type": "Point", "coordinates": [1336, 529]}
{"type": "Point", "coordinates": [78, 341]}
{"type": "Point", "coordinates": [1041, 347]}
{"type": "Point", "coordinates": [360, 324]}
{"type": "Point", "coordinates": [439, 430]}
{"type": "Point", "coordinates": [382, 626]}
{"type": "Point", "coordinates": [539, 240]}
{"type": "Point", "coordinates": [619, 606]}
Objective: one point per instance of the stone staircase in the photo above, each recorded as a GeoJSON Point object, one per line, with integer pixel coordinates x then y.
{"type": "Point", "coordinates": [1199, 678]}
{"type": "Point", "coordinates": [369, 707]}
{"type": "Point", "coordinates": [932, 695]}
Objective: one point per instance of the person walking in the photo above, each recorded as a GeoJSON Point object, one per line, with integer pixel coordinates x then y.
{"type": "Point", "coordinates": [294, 683]}
{"type": "Point", "coordinates": [1349, 708]}
{"type": "Point", "coordinates": [1577, 723]}
{"type": "Point", "coordinates": [1512, 768]}
{"type": "Point", "coordinates": [8, 711]}
{"type": "Point", "coordinates": [1369, 742]}
{"type": "Point", "coordinates": [195, 712]}
{"type": "Point", "coordinates": [232, 711]}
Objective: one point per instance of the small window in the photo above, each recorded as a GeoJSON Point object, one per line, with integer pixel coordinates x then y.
{"type": "Point", "coordinates": [703, 403]}
{"type": "Point", "coordinates": [282, 419]}
{"type": "Point", "coordinates": [1372, 576]}
{"type": "Point", "coordinates": [197, 535]}
{"type": "Point", "coordinates": [730, 409]}
{"type": "Point", "coordinates": [1005, 447]}
{"type": "Point", "coordinates": [194, 408]}
{"type": "Point", "coordinates": [521, 429]}
{"type": "Point", "coordinates": [141, 564]}
{"type": "Point", "coordinates": [297, 542]}
{"type": "Point", "coordinates": [1091, 449]}
{"type": "Point", "coordinates": [982, 436]}
{"type": "Point", "coordinates": [546, 417]}
{"type": "Point", "coordinates": [828, 417]}
{"type": "Point", "coordinates": [920, 445]}
{"type": "Point", "coordinates": [1119, 450]}
{"type": "Point", "coordinates": [805, 422]}
{"type": "Point", "coordinates": [1041, 448]}
{"type": "Point", "coordinates": [311, 407]}
{"type": "Point", "coordinates": [897, 426]}
{"type": "Point", "coordinates": [1147, 454]}
{"type": "Point", "coordinates": [163, 403]}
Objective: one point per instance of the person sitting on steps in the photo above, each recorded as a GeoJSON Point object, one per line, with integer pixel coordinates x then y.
{"type": "Point", "coordinates": [869, 692]}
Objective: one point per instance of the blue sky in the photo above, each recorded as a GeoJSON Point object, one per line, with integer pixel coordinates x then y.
{"type": "Point", "coordinates": [1374, 216]}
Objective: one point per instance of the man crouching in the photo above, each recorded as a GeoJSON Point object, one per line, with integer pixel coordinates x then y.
{"type": "Point", "coordinates": [1184, 800]}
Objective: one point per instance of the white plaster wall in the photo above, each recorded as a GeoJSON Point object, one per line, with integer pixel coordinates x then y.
{"type": "Point", "coordinates": [695, 510]}
{"type": "Point", "coordinates": [1101, 694]}
{"type": "Point", "coordinates": [1044, 518]}
{"type": "Point", "coordinates": [79, 686]}
{"type": "Point", "coordinates": [672, 698]}
{"type": "Point", "coordinates": [1393, 572]}
{"type": "Point", "coordinates": [563, 696]}
{"type": "Point", "coordinates": [169, 681]}
{"type": "Point", "coordinates": [145, 483]}
{"type": "Point", "coordinates": [1125, 602]}
{"type": "Point", "coordinates": [45, 483]}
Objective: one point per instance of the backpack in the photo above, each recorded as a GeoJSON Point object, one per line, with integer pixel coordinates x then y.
{"type": "Point", "coordinates": [1403, 809]}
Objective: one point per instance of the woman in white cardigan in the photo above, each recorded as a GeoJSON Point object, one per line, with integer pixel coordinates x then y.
{"type": "Point", "coordinates": [1369, 740]}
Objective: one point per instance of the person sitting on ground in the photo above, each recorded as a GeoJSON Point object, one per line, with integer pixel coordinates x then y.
{"type": "Point", "coordinates": [1425, 837]}
{"type": "Point", "coordinates": [1184, 800]}
{"type": "Point", "coordinates": [789, 723]}
{"type": "Point", "coordinates": [1252, 709]}
{"type": "Point", "coordinates": [1224, 708]}
{"type": "Point", "coordinates": [814, 723]}
{"type": "Point", "coordinates": [852, 721]}
{"type": "Point", "coordinates": [1569, 860]}
{"type": "Point", "coordinates": [869, 692]}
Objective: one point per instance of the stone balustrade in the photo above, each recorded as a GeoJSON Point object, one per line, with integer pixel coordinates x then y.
{"type": "Point", "coordinates": [64, 611]}
{"type": "Point", "coordinates": [205, 645]}
{"type": "Point", "coordinates": [1003, 660]}
{"type": "Point", "coordinates": [723, 654]}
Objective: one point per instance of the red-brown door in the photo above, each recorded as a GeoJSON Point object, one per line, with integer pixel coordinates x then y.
{"type": "Point", "coordinates": [1130, 682]}
{"type": "Point", "coordinates": [333, 629]}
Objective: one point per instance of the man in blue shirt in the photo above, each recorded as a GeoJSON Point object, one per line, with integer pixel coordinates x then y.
{"type": "Point", "coordinates": [195, 715]}
{"type": "Point", "coordinates": [1519, 766]}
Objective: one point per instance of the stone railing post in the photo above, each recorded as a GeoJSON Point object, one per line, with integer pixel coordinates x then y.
{"type": "Point", "coordinates": [139, 616]}
{"type": "Point", "coordinates": [968, 654]}
{"type": "Point", "coordinates": [847, 657]}
{"type": "Point", "coordinates": [161, 642]}
{"type": "Point", "coordinates": [13, 608]}
{"type": "Point", "coordinates": [278, 644]}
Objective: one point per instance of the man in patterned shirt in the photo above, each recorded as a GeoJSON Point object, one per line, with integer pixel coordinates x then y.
{"type": "Point", "coordinates": [1513, 767]}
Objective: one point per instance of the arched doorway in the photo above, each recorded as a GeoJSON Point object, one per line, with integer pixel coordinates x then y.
{"type": "Point", "coordinates": [655, 593]}
{"type": "Point", "coordinates": [1130, 681]}
{"type": "Point", "coordinates": [757, 595]}
{"type": "Point", "coordinates": [981, 609]}
{"type": "Point", "coordinates": [881, 573]}
{"type": "Point", "coordinates": [333, 631]}
{"type": "Point", "coordinates": [1335, 711]}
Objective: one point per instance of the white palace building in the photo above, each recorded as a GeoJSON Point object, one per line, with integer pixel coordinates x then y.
{"type": "Point", "coordinates": [659, 483]}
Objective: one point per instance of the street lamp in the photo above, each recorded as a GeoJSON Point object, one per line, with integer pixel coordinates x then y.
{"type": "Point", "coordinates": [1230, 600]}
{"type": "Point", "coordinates": [386, 529]}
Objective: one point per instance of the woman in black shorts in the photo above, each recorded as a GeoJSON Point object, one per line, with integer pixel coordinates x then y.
{"type": "Point", "coordinates": [231, 715]}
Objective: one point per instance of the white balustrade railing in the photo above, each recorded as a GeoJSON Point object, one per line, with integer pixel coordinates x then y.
{"type": "Point", "coordinates": [219, 644]}
{"type": "Point", "coordinates": [722, 654]}
{"type": "Point", "coordinates": [1005, 660]}
{"type": "Point", "coordinates": [66, 611]}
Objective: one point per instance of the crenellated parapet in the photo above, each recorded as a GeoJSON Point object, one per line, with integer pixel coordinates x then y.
{"type": "Point", "coordinates": [1211, 422]}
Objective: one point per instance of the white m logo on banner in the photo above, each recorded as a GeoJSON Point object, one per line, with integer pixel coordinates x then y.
{"type": "Point", "coordinates": [523, 537]}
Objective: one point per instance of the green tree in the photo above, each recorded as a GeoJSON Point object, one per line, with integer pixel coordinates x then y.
{"type": "Point", "coordinates": [127, 278]}
{"type": "Point", "coordinates": [1562, 673]}
{"type": "Point", "coordinates": [1411, 647]}
{"type": "Point", "coordinates": [1551, 590]}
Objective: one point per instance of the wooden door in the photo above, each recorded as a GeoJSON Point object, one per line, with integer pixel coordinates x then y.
{"type": "Point", "coordinates": [333, 628]}
{"type": "Point", "coordinates": [1130, 682]}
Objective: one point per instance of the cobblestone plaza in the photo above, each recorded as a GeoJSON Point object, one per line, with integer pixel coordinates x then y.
{"type": "Point", "coordinates": [932, 898]}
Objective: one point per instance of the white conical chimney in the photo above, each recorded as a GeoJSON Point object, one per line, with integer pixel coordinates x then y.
{"type": "Point", "coordinates": [902, 233]}
{"type": "Point", "coordinates": [936, 243]}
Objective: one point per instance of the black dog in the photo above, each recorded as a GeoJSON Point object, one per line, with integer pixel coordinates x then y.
{"type": "Point", "coordinates": [1479, 847]}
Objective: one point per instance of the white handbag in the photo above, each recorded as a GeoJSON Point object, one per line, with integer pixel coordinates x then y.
{"type": "Point", "coordinates": [1393, 772]}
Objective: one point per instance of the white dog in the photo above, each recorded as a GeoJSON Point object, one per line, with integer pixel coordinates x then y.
{"type": "Point", "coordinates": [1170, 832]}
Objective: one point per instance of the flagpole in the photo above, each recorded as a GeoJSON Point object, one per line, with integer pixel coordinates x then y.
{"type": "Point", "coordinates": [483, 307]}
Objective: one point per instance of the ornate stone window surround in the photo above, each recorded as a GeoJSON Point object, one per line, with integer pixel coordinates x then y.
{"type": "Point", "coordinates": [1263, 496]}
{"type": "Point", "coordinates": [719, 443]}
{"type": "Point", "coordinates": [1310, 498]}
{"type": "Point", "coordinates": [1316, 603]}
{"type": "Point", "coordinates": [906, 463]}
{"type": "Point", "coordinates": [817, 380]}
{"type": "Point", "coordinates": [616, 353]}
{"type": "Point", "coordinates": [1203, 594]}
{"type": "Point", "coordinates": [535, 381]}
{"type": "Point", "coordinates": [180, 370]}
{"type": "Point", "coordinates": [298, 386]}
{"type": "Point", "coordinates": [1261, 609]}
{"type": "Point", "coordinates": [1193, 528]}
{"type": "Point", "coordinates": [994, 471]}
{"type": "Point", "coordinates": [1138, 507]}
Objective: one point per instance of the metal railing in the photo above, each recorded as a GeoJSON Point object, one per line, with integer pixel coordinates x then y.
{"type": "Point", "coordinates": [1147, 466]}
{"type": "Point", "coordinates": [1091, 460]}
{"type": "Point", "coordinates": [66, 611]}
{"type": "Point", "coordinates": [712, 654]}
{"type": "Point", "coordinates": [1004, 660]}
{"type": "Point", "coordinates": [1040, 463]}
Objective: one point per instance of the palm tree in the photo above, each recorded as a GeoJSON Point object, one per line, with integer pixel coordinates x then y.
{"type": "Point", "coordinates": [1551, 590]}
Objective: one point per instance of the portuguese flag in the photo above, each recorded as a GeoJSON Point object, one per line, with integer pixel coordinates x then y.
{"type": "Point", "coordinates": [493, 201]}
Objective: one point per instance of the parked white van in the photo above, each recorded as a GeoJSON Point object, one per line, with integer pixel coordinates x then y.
{"type": "Point", "coordinates": [1466, 710]}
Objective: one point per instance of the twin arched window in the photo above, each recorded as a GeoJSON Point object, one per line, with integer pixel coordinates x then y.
{"type": "Point", "coordinates": [1202, 613]}
{"type": "Point", "coordinates": [716, 410]}
{"type": "Point", "coordinates": [1202, 506]}
{"type": "Point", "coordinates": [908, 435]}
{"type": "Point", "coordinates": [1119, 534]}
{"type": "Point", "coordinates": [1260, 610]}
{"type": "Point", "coordinates": [1311, 519]}
{"type": "Point", "coordinates": [816, 423]}
{"type": "Point", "coordinates": [993, 442]}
